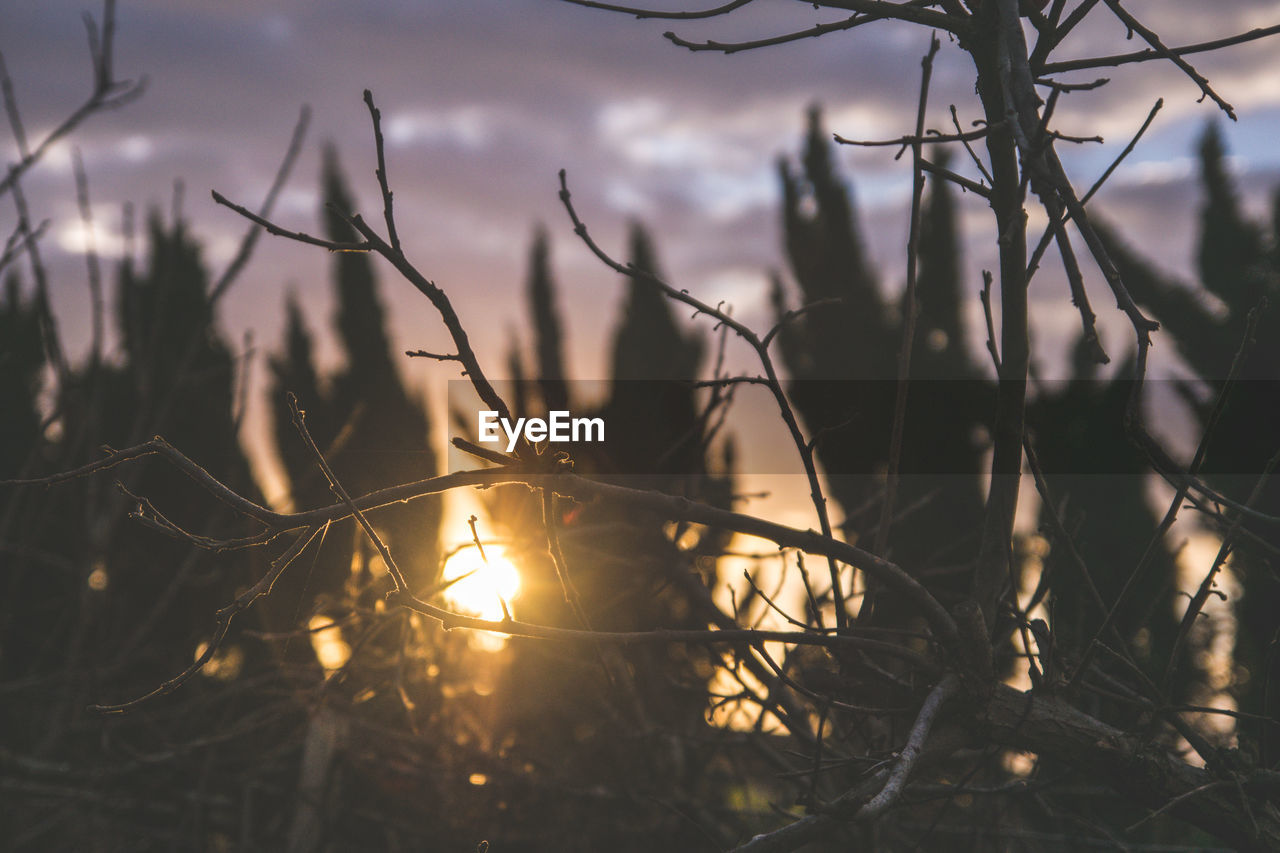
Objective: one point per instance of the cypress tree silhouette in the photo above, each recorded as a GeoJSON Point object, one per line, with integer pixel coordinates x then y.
{"type": "Point", "coordinates": [103, 608]}
{"type": "Point", "coordinates": [561, 710]}
{"type": "Point", "coordinates": [948, 404]}
{"type": "Point", "coordinates": [21, 361]}
{"type": "Point", "coordinates": [547, 328]}
{"type": "Point", "coordinates": [372, 430]}
{"type": "Point", "coordinates": [842, 363]}
{"type": "Point", "coordinates": [827, 259]}
{"type": "Point", "coordinates": [25, 525]}
{"type": "Point", "coordinates": [942, 337]}
{"type": "Point", "coordinates": [651, 415]}
{"type": "Point", "coordinates": [178, 379]}
{"type": "Point", "coordinates": [1098, 478]}
{"type": "Point", "coordinates": [836, 355]}
{"type": "Point", "coordinates": [129, 600]}
{"type": "Point", "coordinates": [294, 370]}
{"type": "Point", "coordinates": [1237, 266]}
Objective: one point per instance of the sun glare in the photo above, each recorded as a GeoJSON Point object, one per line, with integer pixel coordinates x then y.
{"type": "Point", "coordinates": [482, 582]}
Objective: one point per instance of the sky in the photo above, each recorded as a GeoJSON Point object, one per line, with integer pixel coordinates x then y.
{"type": "Point", "coordinates": [483, 101]}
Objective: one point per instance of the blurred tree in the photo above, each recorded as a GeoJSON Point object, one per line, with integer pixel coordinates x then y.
{"type": "Point", "coordinates": [21, 362]}
{"type": "Point", "coordinates": [23, 524]}
{"type": "Point", "coordinates": [1239, 273]}
{"type": "Point", "coordinates": [178, 379]}
{"type": "Point", "coordinates": [371, 428]}
{"type": "Point", "coordinates": [548, 334]}
{"type": "Point", "coordinates": [1099, 479]}
{"type": "Point", "coordinates": [631, 717]}
{"type": "Point", "coordinates": [109, 608]}
{"type": "Point", "coordinates": [842, 362]}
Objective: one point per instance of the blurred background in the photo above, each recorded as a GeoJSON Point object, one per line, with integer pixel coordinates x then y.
{"type": "Point", "coordinates": [483, 103]}
{"type": "Point", "coordinates": [326, 720]}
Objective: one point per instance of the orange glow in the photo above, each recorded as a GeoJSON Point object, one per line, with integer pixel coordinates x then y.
{"type": "Point", "coordinates": [483, 583]}
{"type": "Point", "coordinates": [326, 638]}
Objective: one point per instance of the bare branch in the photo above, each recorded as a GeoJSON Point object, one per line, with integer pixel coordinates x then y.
{"type": "Point", "coordinates": [910, 311]}
{"type": "Point", "coordinates": [910, 754]}
{"type": "Point", "coordinates": [961, 181]}
{"type": "Point", "coordinates": [1148, 35]}
{"type": "Point", "coordinates": [664, 15]}
{"type": "Point", "coordinates": [1047, 236]}
{"type": "Point", "coordinates": [299, 421]}
{"type": "Point", "coordinates": [1151, 53]}
{"type": "Point", "coordinates": [376, 117]}
{"type": "Point", "coordinates": [250, 239]}
{"type": "Point", "coordinates": [854, 805]}
{"type": "Point", "coordinates": [973, 155]}
{"type": "Point", "coordinates": [223, 623]}
{"type": "Point", "coordinates": [298, 236]}
{"type": "Point", "coordinates": [930, 137]}
{"type": "Point", "coordinates": [786, 38]}
{"type": "Point", "coordinates": [107, 94]}
{"type": "Point", "coordinates": [797, 312]}
{"type": "Point", "coordinates": [436, 356]}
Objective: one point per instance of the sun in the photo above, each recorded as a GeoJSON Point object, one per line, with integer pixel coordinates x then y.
{"type": "Point", "coordinates": [482, 582]}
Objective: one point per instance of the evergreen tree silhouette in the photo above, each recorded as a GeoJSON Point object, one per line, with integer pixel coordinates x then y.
{"type": "Point", "coordinates": [1098, 478]}
{"type": "Point", "coordinates": [949, 402]}
{"type": "Point", "coordinates": [21, 361]}
{"type": "Point", "coordinates": [547, 327]}
{"type": "Point", "coordinates": [838, 356]}
{"type": "Point", "coordinates": [372, 430]}
{"type": "Point", "coordinates": [1237, 266]}
{"type": "Point", "coordinates": [842, 363]}
{"type": "Point", "coordinates": [651, 415]}
{"type": "Point", "coordinates": [177, 379]}
{"type": "Point", "coordinates": [565, 714]}
{"type": "Point", "coordinates": [24, 524]}
{"type": "Point", "coordinates": [151, 598]}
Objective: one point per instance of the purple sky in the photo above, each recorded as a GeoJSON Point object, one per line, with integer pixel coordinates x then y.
{"type": "Point", "coordinates": [484, 100]}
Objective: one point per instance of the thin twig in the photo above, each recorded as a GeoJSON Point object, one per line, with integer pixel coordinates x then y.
{"type": "Point", "coordinates": [826, 302]}
{"type": "Point", "coordinates": [250, 239]}
{"type": "Point", "coordinates": [1201, 597]}
{"type": "Point", "coordinates": [910, 311]}
{"type": "Point", "coordinates": [729, 48]}
{"type": "Point", "coordinates": [223, 623]}
{"type": "Point", "coordinates": [1151, 53]}
{"type": "Point", "coordinates": [973, 155]}
{"type": "Point", "coordinates": [662, 14]}
{"type": "Point", "coordinates": [1047, 236]}
{"type": "Point", "coordinates": [930, 138]}
{"type": "Point", "coordinates": [966, 184]}
{"type": "Point", "coordinates": [297, 236]}
{"type": "Point", "coordinates": [1186, 795]}
{"type": "Point", "coordinates": [299, 421]}
{"type": "Point", "coordinates": [107, 93]}
{"type": "Point", "coordinates": [910, 754]}
{"type": "Point", "coordinates": [421, 353]}
{"type": "Point", "coordinates": [375, 115]}
{"type": "Point", "coordinates": [475, 537]}
{"type": "Point", "coordinates": [1150, 37]}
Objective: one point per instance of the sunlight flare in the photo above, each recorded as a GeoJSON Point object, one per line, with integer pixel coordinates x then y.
{"type": "Point", "coordinates": [481, 582]}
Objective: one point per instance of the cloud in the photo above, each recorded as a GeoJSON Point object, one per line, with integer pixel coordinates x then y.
{"type": "Point", "coordinates": [483, 101]}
